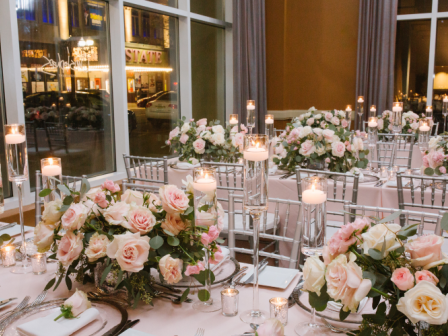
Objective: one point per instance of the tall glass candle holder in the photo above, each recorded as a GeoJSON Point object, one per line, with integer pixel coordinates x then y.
{"type": "Point", "coordinates": [445, 111]}
{"type": "Point", "coordinates": [348, 116]}
{"type": "Point", "coordinates": [2, 197]}
{"type": "Point", "coordinates": [269, 125]}
{"type": "Point", "coordinates": [279, 309]}
{"type": "Point", "coordinates": [372, 112]}
{"type": "Point", "coordinates": [372, 137]}
{"type": "Point", "coordinates": [250, 115]}
{"type": "Point", "coordinates": [233, 120]}
{"type": "Point", "coordinates": [429, 112]}
{"type": "Point", "coordinates": [8, 254]}
{"type": "Point", "coordinates": [51, 169]}
{"type": "Point", "coordinates": [17, 161]}
{"type": "Point", "coordinates": [206, 214]}
{"type": "Point", "coordinates": [360, 111]}
{"type": "Point", "coordinates": [424, 132]}
{"type": "Point", "coordinates": [256, 168]}
{"type": "Point", "coordinates": [395, 117]}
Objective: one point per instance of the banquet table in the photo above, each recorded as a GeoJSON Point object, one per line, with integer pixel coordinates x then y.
{"type": "Point", "coordinates": [165, 318]}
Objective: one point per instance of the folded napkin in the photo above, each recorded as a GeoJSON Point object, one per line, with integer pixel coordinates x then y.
{"type": "Point", "coordinates": [186, 165]}
{"type": "Point", "coordinates": [361, 175]}
{"type": "Point", "coordinates": [273, 170]}
{"type": "Point", "coordinates": [46, 326]}
{"type": "Point", "coordinates": [133, 332]}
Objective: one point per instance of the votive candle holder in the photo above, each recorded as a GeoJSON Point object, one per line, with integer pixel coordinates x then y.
{"type": "Point", "coordinates": [39, 263]}
{"type": "Point", "coordinates": [279, 309]}
{"type": "Point", "coordinates": [8, 256]}
{"type": "Point", "coordinates": [229, 302]}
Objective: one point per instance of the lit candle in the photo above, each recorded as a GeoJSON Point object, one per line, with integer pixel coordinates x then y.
{"type": "Point", "coordinates": [39, 263]}
{"type": "Point", "coordinates": [51, 169]}
{"type": "Point", "coordinates": [373, 108]}
{"type": "Point", "coordinates": [445, 99]}
{"type": "Point", "coordinates": [15, 137]}
{"type": "Point", "coordinates": [313, 196]}
{"type": "Point", "coordinates": [68, 105]}
{"type": "Point", "coordinates": [229, 301]}
{"type": "Point", "coordinates": [360, 99]}
{"type": "Point", "coordinates": [269, 120]}
{"type": "Point", "coordinates": [279, 309]}
{"type": "Point", "coordinates": [429, 109]}
{"type": "Point", "coordinates": [397, 107]}
{"type": "Point", "coordinates": [256, 153]}
{"type": "Point", "coordinates": [348, 108]}
{"type": "Point", "coordinates": [205, 184]}
{"type": "Point", "coordinates": [233, 119]}
{"type": "Point", "coordinates": [424, 128]}
{"type": "Point", "coordinates": [251, 105]}
{"type": "Point", "coordinates": [372, 122]}
{"type": "Point", "coordinates": [8, 256]}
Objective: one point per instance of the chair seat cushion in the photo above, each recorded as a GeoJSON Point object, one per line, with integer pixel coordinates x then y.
{"type": "Point", "coordinates": [239, 222]}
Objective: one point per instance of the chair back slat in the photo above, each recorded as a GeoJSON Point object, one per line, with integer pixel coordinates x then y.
{"type": "Point", "coordinates": [143, 188]}
{"type": "Point", "coordinates": [146, 169]}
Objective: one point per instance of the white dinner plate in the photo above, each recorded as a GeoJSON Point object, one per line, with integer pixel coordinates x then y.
{"type": "Point", "coordinates": [275, 277]}
{"type": "Point", "coordinates": [133, 332]}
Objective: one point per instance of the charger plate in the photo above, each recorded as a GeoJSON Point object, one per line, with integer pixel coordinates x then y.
{"type": "Point", "coordinates": [110, 313]}
{"type": "Point", "coordinates": [367, 178]}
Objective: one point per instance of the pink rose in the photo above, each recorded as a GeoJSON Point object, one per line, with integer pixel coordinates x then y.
{"type": "Point", "coordinates": [78, 302]}
{"type": "Point", "coordinates": [200, 129]}
{"type": "Point", "coordinates": [328, 134]}
{"type": "Point", "coordinates": [403, 278]}
{"type": "Point", "coordinates": [310, 121]}
{"type": "Point", "coordinates": [442, 170]}
{"type": "Point", "coordinates": [199, 146]}
{"type": "Point", "coordinates": [97, 247]}
{"type": "Point", "coordinates": [183, 138]}
{"type": "Point", "coordinates": [335, 121]}
{"type": "Point", "coordinates": [168, 142]}
{"type": "Point", "coordinates": [74, 217]}
{"type": "Point", "coordinates": [154, 201]}
{"type": "Point", "coordinates": [173, 199]}
{"type": "Point", "coordinates": [116, 214]}
{"type": "Point", "coordinates": [194, 269]}
{"type": "Point", "coordinates": [271, 327]}
{"type": "Point", "coordinates": [100, 199]}
{"type": "Point", "coordinates": [191, 120]}
{"type": "Point", "coordinates": [344, 123]}
{"type": "Point", "coordinates": [130, 250]}
{"type": "Point", "coordinates": [132, 196]}
{"type": "Point", "coordinates": [218, 256]}
{"type": "Point", "coordinates": [328, 116]}
{"type": "Point", "coordinates": [43, 236]}
{"type": "Point", "coordinates": [111, 186]}
{"type": "Point", "coordinates": [140, 219]}
{"type": "Point", "coordinates": [426, 251]}
{"type": "Point", "coordinates": [171, 269]}
{"type": "Point", "coordinates": [338, 149]}
{"type": "Point", "coordinates": [426, 276]}
{"type": "Point", "coordinates": [327, 160]}
{"type": "Point", "coordinates": [174, 133]}
{"type": "Point", "coordinates": [173, 223]}
{"type": "Point", "coordinates": [69, 248]}
{"type": "Point", "coordinates": [243, 129]}
{"type": "Point", "coordinates": [234, 129]}
{"type": "Point", "coordinates": [202, 122]}
{"type": "Point", "coordinates": [238, 140]}
{"type": "Point", "coordinates": [307, 148]}
{"type": "Point", "coordinates": [425, 161]}
{"type": "Point", "coordinates": [211, 236]}
{"type": "Point", "coordinates": [435, 158]}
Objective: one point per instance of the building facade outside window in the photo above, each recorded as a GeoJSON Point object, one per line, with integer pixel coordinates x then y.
{"type": "Point", "coordinates": [421, 65]}
{"type": "Point", "coordinates": [66, 86]}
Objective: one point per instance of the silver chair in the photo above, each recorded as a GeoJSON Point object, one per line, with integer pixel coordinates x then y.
{"type": "Point", "coordinates": [405, 147]}
{"type": "Point", "coordinates": [385, 153]}
{"type": "Point", "coordinates": [143, 188]}
{"type": "Point", "coordinates": [414, 182]}
{"type": "Point", "coordinates": [435, 129]}
{"type": "Point", "coordinates": [279, 231]}
{"type": "Point", "coordinates": [339, 180]}
{"type": "Point", "coordinates": [277, 131]}
{"type": "Point", "coordinates": [72, 181]}
{"type": "Point", "coordinates": [146, 169]}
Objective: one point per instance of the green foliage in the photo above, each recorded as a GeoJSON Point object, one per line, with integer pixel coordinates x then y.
{"type": "Point", "coordinates": [319, 302]}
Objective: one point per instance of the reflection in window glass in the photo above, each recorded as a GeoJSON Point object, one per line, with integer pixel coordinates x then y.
{"type": "Point", "coordinates": [68, 110]}
{"type": "Point", "coordinates": [207, 67]}
{"type": "Point", "coordinates": [152, 80]}
{"type": "Point", "coordinates": [26, 10]}
{"type": "Point", "coordinates": [5, 186]}
{"type": "Point", "coordinates": [411, 64]}
{"type": "Point", "coordinates": [414, 6]}
{"type": "Point", "coordinates": [48, 10]}
{"type": "Point", "coordinates": [211, 8]}
{"type": "Point", "coordinates": [171, 3]}
{"type": "Point", "coordinates": [440, 87]}
{"type": "Point", "coordinates": [443, 5]}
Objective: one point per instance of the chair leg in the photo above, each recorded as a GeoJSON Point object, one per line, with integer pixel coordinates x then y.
{"type": "Point", "coordinates": [277, 251]}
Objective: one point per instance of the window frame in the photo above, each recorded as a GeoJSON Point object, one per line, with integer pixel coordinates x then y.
{"type": "Point", "coordinates": [12, 75]}
{"type": "Point", "coordinates": [433, 16]}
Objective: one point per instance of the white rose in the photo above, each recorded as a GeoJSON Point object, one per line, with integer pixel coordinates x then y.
{"type": "Point", "coordinates": [305, 131]}
{"type": "Point", "coordinates": [425, 302]}
{"type": "Point", "coordinates": [199, 146]}
{"type": "Point", "coordinates": [341, 113]}
{"type": "Point", "coordinates": [328, 134]}
{"type": "Point", "coordinates": [43, 236]}
{"type": "Point", "coordinates": [318, 116]}
{"type": "Point", "coordinates": [116, 213]}
{"type": "Point", "coordinates": [307, 115]}
{"type": "Point", "coordinates": [97, 247]}
{"type": "Point", "coordinates": [310, 121]}
{"type": "Point", "coordinates": [434, 142]}
{"type": "Point", "coordinates": [358, 144]}
{"type": "Point", "coordinates": [51, 212]}
{"type": "Point", "coordinates": [91, 193]}
{"type": "Point", "coordinates": [338, 149]}
{"type": "Point", "coordinates": [335, 121]}
{"type": "Point", "coordinates": [335, 138]}
{"type": "Point", "coordinates": [377, 235]}
{"type": "Point", "coordinates": [185, 128]}
{"type": "Point", "coordinates": [218, 129]}
{"type": "Point", "coordinates": [321, 150]}
{"type": "Point", "coordinates": [380, 124]}
{"type": "Point", "coordinates": [206, 135]}
{"type": "Point", "coordinates": [307, 148]}
{"type": "Point", "coordinates": [217, 139]}
{"type": "Point", "coordinates": [314, 275]}
{"type": "Point", "coordinates": [414, 126]}
{"type": "Point", "coordinates": [301, 117]}
{"type": "Point", "coordinates": [281, 151]}
{"type": "Point", "coordinates": [132, 196]}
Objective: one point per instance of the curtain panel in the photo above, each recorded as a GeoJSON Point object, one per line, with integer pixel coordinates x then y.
{"type": "Point", "coordinates": [249, 50]}
{"type": "Point", "coordinates": [376, 53]}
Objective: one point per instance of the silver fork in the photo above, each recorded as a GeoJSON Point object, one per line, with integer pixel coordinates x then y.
{"type": "Point", "coordinates": [16, 309]}
{"type": "Point", "coordinates": [200, 332]}
{"type": "Point", "coordinates": [37, 301]}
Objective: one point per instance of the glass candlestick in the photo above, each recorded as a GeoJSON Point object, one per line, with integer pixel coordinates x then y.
{"type": "Point", "coordinates": [206, 214]}
{"type": "Point", "coordinates": [372, 112]}
{"type": "Point", "coordinates": [229, 301]}
{"type": "Point", "coordinates": [429, 112]}
{"type": "Point", "coordinates": [269, 125]}
{"type": "Point", "coordinates": [2, 197]}
{"type": "Point", "coordinates": [8, 256]}
{"type": "Point", "coordinates": [372, 136]}
{"type": "Point", "coordinates": [395, 118]}
{"type": "Point", "coordinates": [424, 132]}
{"type": "Point", "coordinates": [445, 111]}
{"type": "Point", "coordinates": [17, 161]}
{"type": "Point", "coordinates": [360, 111]}
{"type": "Point", "coordinates": [348, 116]}
{"type": "Point", "coordinates": [250, 115]}
{"type": "Point", "coordinates": [233, 120]}
{"type": "Point", "coordinates": [256, 168]}
{"type": "Point", "coordinates": [39, 263]}
{"type": "Point", "coordinates": [51, 169]}
{"type": "Point", "coordinates": [279, 309]}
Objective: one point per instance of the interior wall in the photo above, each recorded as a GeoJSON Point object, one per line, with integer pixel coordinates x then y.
{"type": "Point", "coordinates": [311, 52]}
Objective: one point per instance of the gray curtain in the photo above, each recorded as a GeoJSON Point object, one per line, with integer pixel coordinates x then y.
{"type": "Point", "coordinates": [249, 54]}
{"type": "Point", "coordinates": [376, 53]}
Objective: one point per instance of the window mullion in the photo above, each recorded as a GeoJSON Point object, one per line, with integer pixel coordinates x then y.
{"type": "Point", "coordinates": [432, 53]}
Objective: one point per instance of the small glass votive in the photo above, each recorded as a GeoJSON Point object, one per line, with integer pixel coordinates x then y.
{"type": "Point", "coordinates": [229, 301]}
{"type": "Point", "coordinates": [408, 171]}
{"type": "Point", "coordinates": [8, 256]}
{"type": "Point", "coordinates": [279, 309]}
{"type": "Point", "coordinates": [392, 175]}
{"type": "Point", "coordinates": [384, 173]}
{"type": "Point", "coordinates": [396, 169]}
{"type": "Point", "coordinates": [39, 263]}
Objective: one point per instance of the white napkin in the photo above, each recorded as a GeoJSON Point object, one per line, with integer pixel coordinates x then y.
{"type": "Point", "coordinates": [273, 170]}
{"type": "Point", "coordinates": [361, 175]}
{"type": "Point", "coordinates": [46, 326]}
{"type": "Point", "coordinates": [133, 332]}
{"type": "Point", "coordinates": [186, 165]}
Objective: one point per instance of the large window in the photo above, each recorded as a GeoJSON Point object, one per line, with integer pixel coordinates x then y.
{"type": "Point", "coordinates": [66, 86]}
{"type": "Point", "coordinates": [152, 80]}
{"type": "Point", "coordinates": [421, 56]}
{"type": "Point", "coordinates": [5, 185]}
{"type": "Point", "coordinates": [211, 8]}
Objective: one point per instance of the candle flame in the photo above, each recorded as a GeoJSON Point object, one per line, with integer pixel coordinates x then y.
{"type": "Point", "coordinates": [13, 130]}
{"type": "Point", "coordinates": [313, 187]}
{"type": "Point", "coordinates": [257, 145]}
{"type": "Point", "coordinates": [206, 175]}
{"type": "Point", "coordinates": [50, 160]}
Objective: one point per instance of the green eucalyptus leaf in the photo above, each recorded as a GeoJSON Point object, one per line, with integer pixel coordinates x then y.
{"type": "Point", "coordinates": [390, 218]}
{"type": "Point", "coordinates": [369, 275]}
{"type": "Point", "coordinates": [375, 254]}
{"type": "Point", "coordinates": [173, 241]}
{"type": "Point", "coordinates": [203, 295]}
{"type": "Point", "coordinates": [185, 295]}
{"type": "Point", "coordinates": [45, 192]}
{"type": "Point", "coordinates": [343, 314]}
{"type": "Point", "coordinates": [64, 189]}
{"type": "Point", "coordinates": [50, 284]}
{"type": "Point", "coordinates": [156, 242]}
{"type": "Point", "coordinates": [444, 221]}
{"type": "Point", "coordinates": [68, 200]}
{"type": "Point", "coordinates": [429, 171]}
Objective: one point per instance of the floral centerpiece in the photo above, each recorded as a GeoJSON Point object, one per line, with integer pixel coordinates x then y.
{"type": "Point", "coordinates": [194, 139]}
{"type": "Point", "coordinates": [127, 235]}
{"type": "Point", "coordinates": [406, 278]}
{"type": "Point", "coordinates": [317, 138]}
{"type": "Point", "coordinates": [435, 159]}
{"type": "Point", "coordinates": [410, 122]}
